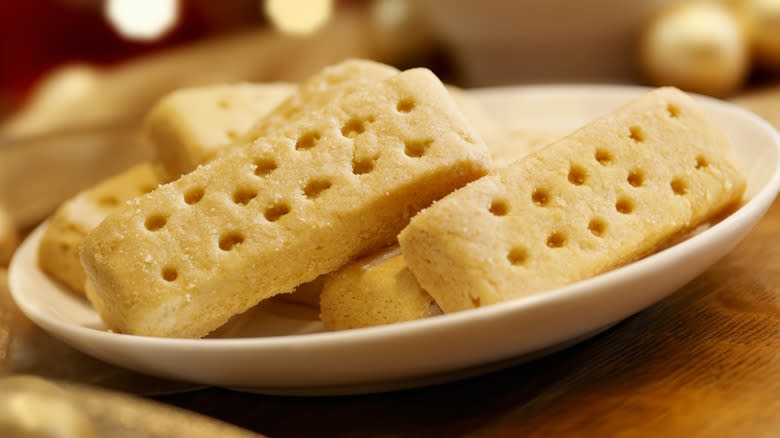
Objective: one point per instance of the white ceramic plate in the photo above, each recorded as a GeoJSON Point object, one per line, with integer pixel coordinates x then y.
{"type": "Point", "coordinates": [271, 350]}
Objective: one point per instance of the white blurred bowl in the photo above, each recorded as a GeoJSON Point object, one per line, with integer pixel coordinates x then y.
{"type": "Point", "coordinates": [505, 42]}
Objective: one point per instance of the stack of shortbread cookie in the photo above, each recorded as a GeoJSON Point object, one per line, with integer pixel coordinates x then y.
{"type": "Point", "coordinates": [262, 190]}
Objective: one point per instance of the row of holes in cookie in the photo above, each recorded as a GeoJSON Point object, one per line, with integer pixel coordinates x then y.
{"type": "Point", "coordinates": [227, 241]}
{"type": "Point", "coordinates": [558, 239]}
{"type": "Point", "coordinates": [413, 148]}
{"type": "Point", "coordinates": [578, 176]}
{"type": "Point", "coordinates": [518, 255]}
{"type": "Point", "coordinates": [636, 133]}
{"type": "Point", "coordinates": [352, 127]}
{"type": "Point", "coordinates": [242, 196]}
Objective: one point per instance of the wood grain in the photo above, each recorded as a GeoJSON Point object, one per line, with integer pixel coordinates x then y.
{"type": "Point", "coordinates": [703, 362]}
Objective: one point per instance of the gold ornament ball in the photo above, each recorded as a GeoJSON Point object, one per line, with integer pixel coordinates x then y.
{"type": "Point", "coordinates": [696, 46]}
{"type": "Point", "coordinates": [762, 22]}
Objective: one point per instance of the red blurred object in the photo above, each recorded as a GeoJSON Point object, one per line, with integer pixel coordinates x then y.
{"type": "Point", "coordinates": [36, 35]}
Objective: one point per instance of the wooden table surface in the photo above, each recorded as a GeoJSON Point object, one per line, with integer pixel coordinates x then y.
{"type": "Point", "coordinates": [704, 362]}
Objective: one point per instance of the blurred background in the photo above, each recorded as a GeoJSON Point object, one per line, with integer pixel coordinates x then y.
{"type": "Point", "coordinates": [121, 55]}
{"type": "Point", "coordinates": [78, 76]}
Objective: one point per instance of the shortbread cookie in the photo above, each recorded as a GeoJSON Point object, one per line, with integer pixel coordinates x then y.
{"type": "Point", "coordinates": [58, 252]}
{"type": "Point", "coordinates": [374, 291]}
{"type": "Point", "coordinates": [188, 127]}
{"type": "Point", "coordinates": [338, 182]}
{"type": "Point", "coordinates": [613, 191]}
